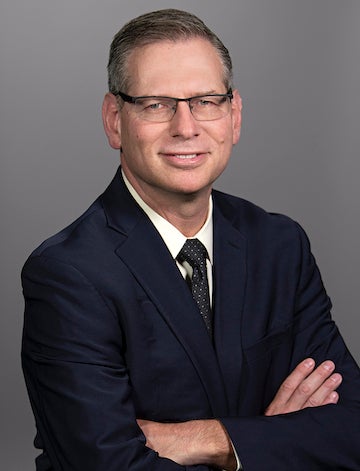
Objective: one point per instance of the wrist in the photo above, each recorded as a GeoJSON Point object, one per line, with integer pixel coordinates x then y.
{"type": "Point", "coordinates": [212, 445]}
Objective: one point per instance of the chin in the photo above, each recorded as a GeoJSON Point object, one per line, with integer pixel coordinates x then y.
{"type": "Point", "coordinates": [193, 190]}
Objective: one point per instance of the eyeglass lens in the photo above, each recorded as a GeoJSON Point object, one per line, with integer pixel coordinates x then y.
{"type": "Point", "coordinates": [161, 109]}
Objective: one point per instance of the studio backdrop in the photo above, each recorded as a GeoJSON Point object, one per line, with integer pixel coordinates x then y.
{"type": "Point", "coordinates": [297, 67]}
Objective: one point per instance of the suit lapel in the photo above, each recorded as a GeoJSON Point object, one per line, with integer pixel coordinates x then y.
{"type": "Point", "coordinates": [147, 257]}
{"type": "Point", "coordinates": [229, 290]}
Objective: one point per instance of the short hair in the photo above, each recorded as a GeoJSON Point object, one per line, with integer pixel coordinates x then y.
{"type": "Point", "coordinates": [162, 25]}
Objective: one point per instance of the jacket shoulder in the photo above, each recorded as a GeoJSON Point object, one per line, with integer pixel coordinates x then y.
{"type": "Point", "coordinates": [247, 216]}
{"type": "Point", "coordinates": [84, 227]}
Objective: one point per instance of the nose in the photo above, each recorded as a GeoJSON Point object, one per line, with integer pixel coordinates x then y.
{"type": "Point", "coordinates": [183, 124]}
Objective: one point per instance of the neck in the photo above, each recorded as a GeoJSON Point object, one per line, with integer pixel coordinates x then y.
{"type": "Point", "coordinates": [188, 218]}
{"type": "Point", "coordinates": [186, 212]}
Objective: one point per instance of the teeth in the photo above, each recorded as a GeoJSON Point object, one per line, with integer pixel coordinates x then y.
{"type": "Point", "coordinates": [185, 156]}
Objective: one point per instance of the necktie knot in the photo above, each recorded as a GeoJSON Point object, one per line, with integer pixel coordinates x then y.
{"type": "Point", "coordinates": [193, 252]}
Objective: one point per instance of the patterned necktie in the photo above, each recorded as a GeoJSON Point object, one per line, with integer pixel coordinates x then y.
{"type": "Point", "coordinates": [195, 254]}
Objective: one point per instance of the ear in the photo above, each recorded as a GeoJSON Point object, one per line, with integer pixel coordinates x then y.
{"type": "Point", "coordinates": [236, 115]}
{"type": "Point", "coordinates": [111, 120]}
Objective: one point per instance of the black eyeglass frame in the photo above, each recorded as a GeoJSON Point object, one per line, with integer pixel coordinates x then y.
{"type": "Point", "coordinates": [132, 99]}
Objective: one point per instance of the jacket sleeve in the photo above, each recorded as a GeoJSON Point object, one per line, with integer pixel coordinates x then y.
{"type": "Point", "coordinates": [316, 438]}
{"type": "Point", "coordinates": [76, 376]}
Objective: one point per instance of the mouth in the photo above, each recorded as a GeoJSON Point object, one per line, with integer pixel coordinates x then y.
{"type": "Point", "coordinates": [184, 156]}
{"type": "Point", "coordinates": [185, 159]}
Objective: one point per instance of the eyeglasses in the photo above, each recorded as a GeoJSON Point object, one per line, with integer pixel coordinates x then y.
{"type": "Point", "coordinates": [160, 109]}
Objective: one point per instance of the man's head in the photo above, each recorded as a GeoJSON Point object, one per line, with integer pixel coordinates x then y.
{"type": "Point", "coordinates": [161, 25]}
{"type": "Point", "coordinates": [178, 147]}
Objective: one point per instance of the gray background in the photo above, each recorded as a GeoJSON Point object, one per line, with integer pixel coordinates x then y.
{"type": "Point", "coordinates": [297, 65]}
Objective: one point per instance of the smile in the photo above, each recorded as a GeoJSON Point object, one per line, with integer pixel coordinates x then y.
{"type": "Point", "coordinates": [185, 156]}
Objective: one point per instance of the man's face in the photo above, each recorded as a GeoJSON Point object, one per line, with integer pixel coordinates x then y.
{"type": "Point", "coordinates": [182, 156]}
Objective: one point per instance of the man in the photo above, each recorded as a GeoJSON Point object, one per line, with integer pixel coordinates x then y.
{"type": "Point", "coordinates": [129, 369]}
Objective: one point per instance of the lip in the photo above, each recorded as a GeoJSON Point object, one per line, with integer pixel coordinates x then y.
{"type": "Point", "coordinates": [184, 155]}
{"type": "Point", "coordinates": [185, 158]}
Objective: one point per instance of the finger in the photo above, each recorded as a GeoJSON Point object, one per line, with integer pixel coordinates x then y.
{"type": "Point", "coordinates": [325, 394]}
{"type": "Point", "coordinates": [332, 399]}
{"type": "Point", "coordinates": [289, 386]}
{"type": "Point", "coordinates": [294, 380]}
{"type": "Point", "coordinates": [311, 385]}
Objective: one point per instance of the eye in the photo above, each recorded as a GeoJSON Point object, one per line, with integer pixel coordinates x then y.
{"type": "Point", "coordinates": [206, 102]}
{"type": "Point", "coordinates": [149, 105]}
{"type": "Point", "coordinates": [154, 106]}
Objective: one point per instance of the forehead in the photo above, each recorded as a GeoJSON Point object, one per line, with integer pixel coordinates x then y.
{"type": "Point", "coordinates": [191, 66]}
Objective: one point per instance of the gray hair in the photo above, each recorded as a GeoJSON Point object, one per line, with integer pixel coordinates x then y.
{"type": "Point", "coordinates": [161, 25]}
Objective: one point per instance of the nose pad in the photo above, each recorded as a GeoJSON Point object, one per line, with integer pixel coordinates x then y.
{"type": "Point", "coordinates": [183, 107]}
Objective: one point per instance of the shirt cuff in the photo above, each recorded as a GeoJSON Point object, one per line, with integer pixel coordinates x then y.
{"type": "Point", "coordinates": [238, 464]}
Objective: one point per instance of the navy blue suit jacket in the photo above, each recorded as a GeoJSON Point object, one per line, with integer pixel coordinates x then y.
{"type": "Point", "coordinates": [112, 334]}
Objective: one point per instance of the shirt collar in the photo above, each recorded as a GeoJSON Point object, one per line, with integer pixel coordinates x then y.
{"type": "Point", "coordinates": [173, 238]}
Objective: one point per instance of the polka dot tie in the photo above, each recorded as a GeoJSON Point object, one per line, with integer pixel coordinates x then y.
{"type": "Point", "coordinates": [195, 254]}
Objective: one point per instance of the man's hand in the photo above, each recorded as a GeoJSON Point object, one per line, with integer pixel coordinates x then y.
{"type": "Point", "coordinates": [306, 387]}
{"type": "Point", "coordinates": [191, 443]}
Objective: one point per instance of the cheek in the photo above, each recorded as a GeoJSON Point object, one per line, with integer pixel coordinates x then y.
{"type": "Point", "coordinates": [144, 135]}
{"type": "Point", "coordinates": [131, 138]}
{"type": "Point", "coordinates": [224, 139]}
